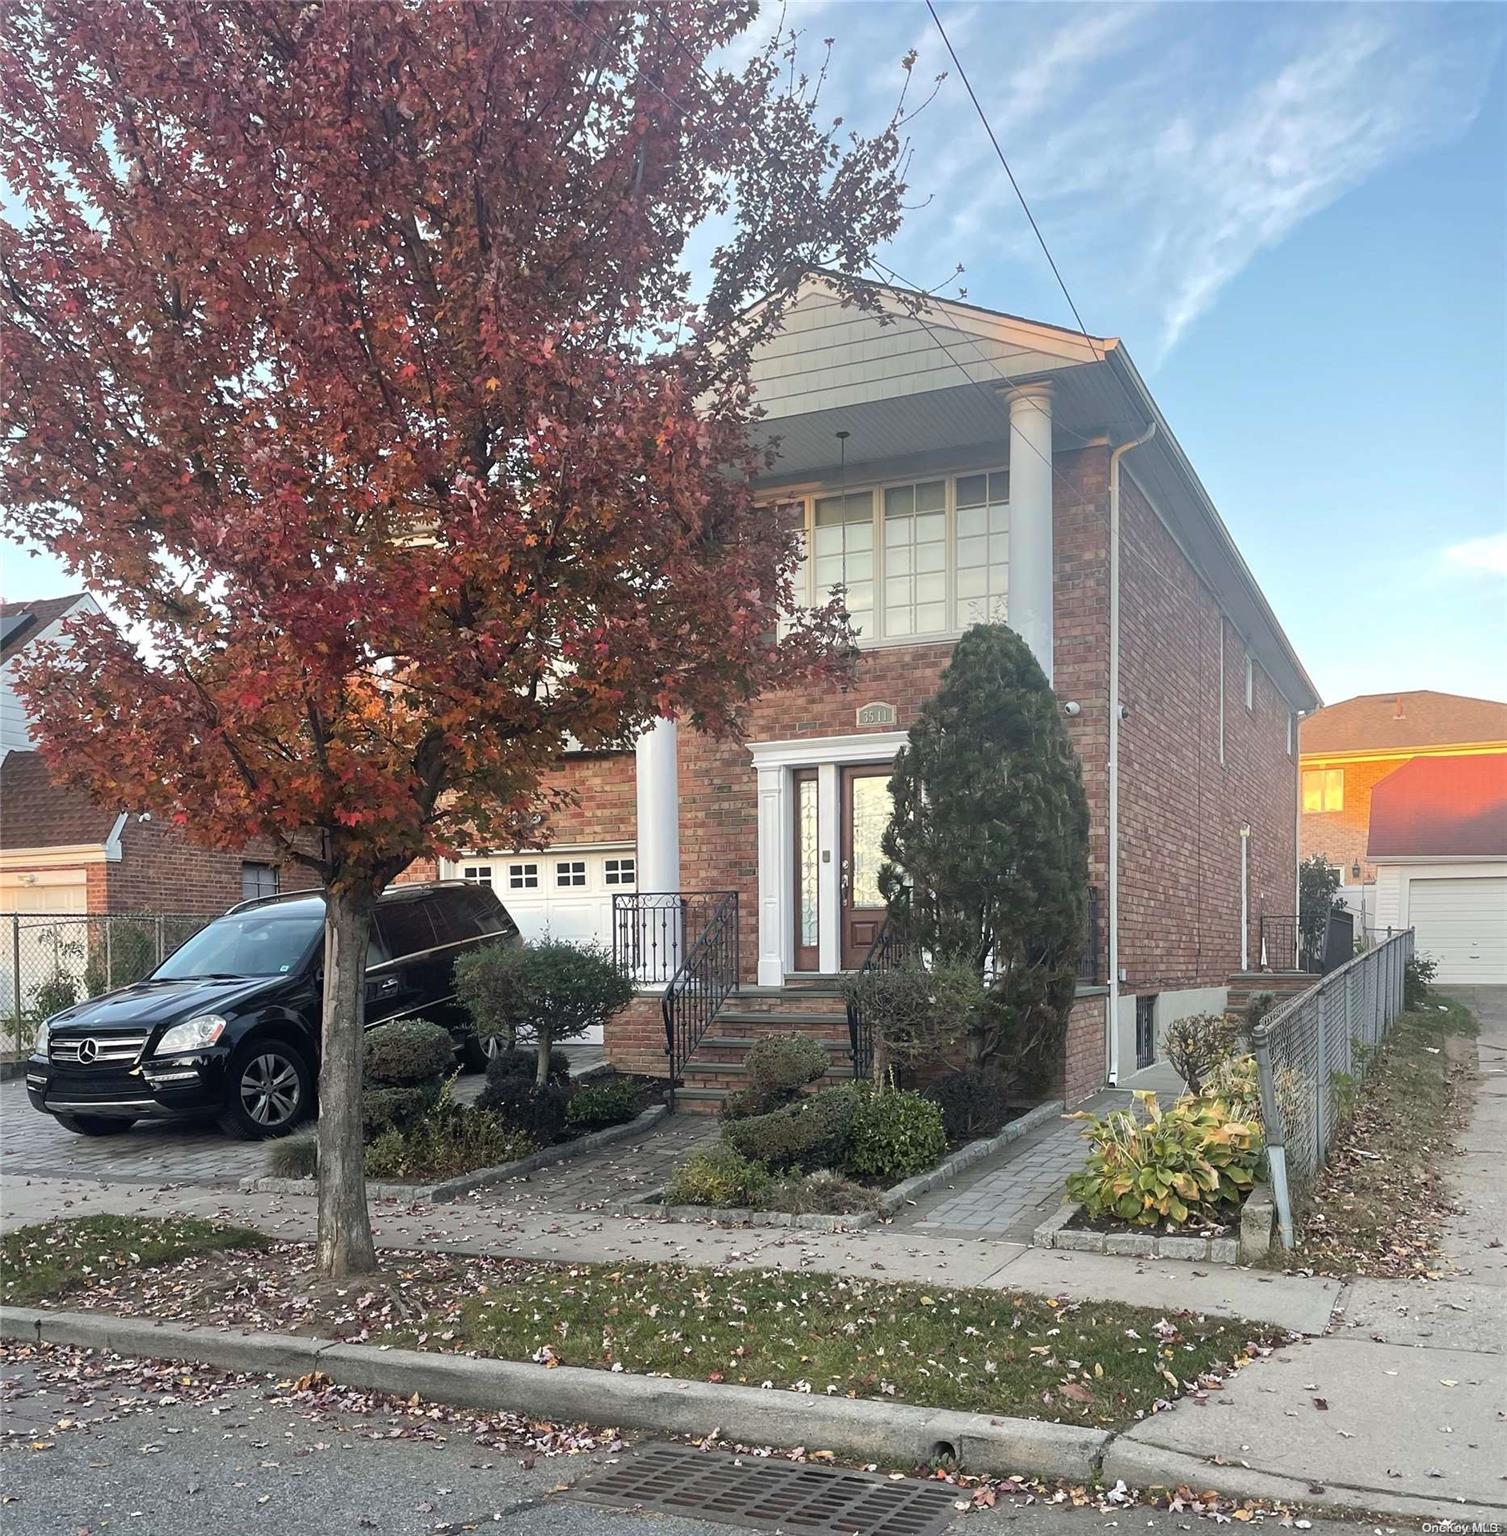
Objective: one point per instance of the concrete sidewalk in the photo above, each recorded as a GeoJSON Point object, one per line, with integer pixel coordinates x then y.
{"type": "Point", "coordinates": [1403, 1408]}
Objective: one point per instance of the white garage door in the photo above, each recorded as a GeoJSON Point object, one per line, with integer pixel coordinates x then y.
{"type": "Point", "coordinates": [1462, 923]}
{"type": "Point", "coordinates": [561, 894]}
{"type": "Point", "coordinates": [47, 949]}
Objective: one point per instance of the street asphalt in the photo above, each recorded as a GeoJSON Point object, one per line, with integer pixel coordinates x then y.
{"type": "Point", "coordinates": [234, 1463]}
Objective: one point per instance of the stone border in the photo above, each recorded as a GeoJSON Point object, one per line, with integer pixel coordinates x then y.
{"type": "Point", "coordinates": [649, 1209]}
{"type": "Point", "coordinates": [1055, 1232]}
{"type": "Point", "coordinates": [888, 1432]}
{"type": "Point", "coordinates": [463, 1184]}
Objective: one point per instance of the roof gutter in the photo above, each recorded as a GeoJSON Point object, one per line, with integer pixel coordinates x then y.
{"type": "Point", "coordinates": [1112, 1001]}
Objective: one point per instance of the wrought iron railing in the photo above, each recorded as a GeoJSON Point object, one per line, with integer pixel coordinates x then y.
{"type": "Point", "coordinates": [1090, 961]}
{"type": "Point", "coordinates": [891, 949]}
{"type": "Point", "coordinates": [687, 942]}
{"type": "Point", "coordinates": [1313, 945]}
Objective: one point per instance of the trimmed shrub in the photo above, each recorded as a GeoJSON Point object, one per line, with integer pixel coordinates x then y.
{"type": "Point", "coordinates": [916, 1014]}
{"type": "Point", "coordinates": [811, 1133]}
{"type": "Point", "coordinates": [451, 1139]}
{"type": "Point", "coordinates": [893, 1135]}
{"type": "Point", "coordinates": [385, 1109]}
{"type": "Point", "coordinates": [1196, 1044]}
{"type": "Point", "coordinates": [779, 1066]}
{"type": "Point", "coordinates": [408, 1052]}
{"type": "Point", "coordinates": [522, 1105]}
{"type": "Point", "coordinates": [487, 984]}
{"type": "Point", "coordinates": [525, 1063]}
{"type": "Point", "coordinates": [601, 1104]}
{"type": "Point", "coordinates": [972, 1102]}
{"type": "Point", "coordinates": [293, 1157]}
{"type": "Point", "coordinates": [1193, 1162]}
{"type": "Point", "coordinates": [718, 1176]}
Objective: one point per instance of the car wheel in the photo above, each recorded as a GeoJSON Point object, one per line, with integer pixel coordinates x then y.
{"type": "Point", "coordinates": [479, 1050]}
{"type": "Point", "coordinates": [268, 1090]}
{"type": "Point", "coordinates": [94, 1125]}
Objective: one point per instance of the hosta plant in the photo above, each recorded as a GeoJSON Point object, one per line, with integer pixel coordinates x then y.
{"type": "Point", "coordinates": [1194, 1161]}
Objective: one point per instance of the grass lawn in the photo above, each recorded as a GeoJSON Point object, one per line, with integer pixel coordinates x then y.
{"type": "Point", "coordinates": [975, 1350]}
{"type": "Point", "coordinates": [1378, 1204]}
{"type": "Point", "coordinates": [42, 1262]}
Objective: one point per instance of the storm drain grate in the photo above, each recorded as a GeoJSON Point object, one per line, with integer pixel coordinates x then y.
{"type": "Point", "coordinates": [769, 1495]}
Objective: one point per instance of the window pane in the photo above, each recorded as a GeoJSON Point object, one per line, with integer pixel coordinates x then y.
{"type": "Point", "coordinates": [844, 547]}
{"type": "Point", "coordinates": [808, 868]}
{"type": "Point", "coordinates": [1313, 790]}
{"type": "Point", "coordinates": [983, 530]}
{"type": "Point", "coordinates": [407, 927]}
{"type": "Point", "coordinates": [1334, 789]}
{"type": "Point", "coordinates": [570, 872]}
{"type": "Point", "coordinates": [915, 538]}
{"type": "Point", "coordinates": [258, 880]}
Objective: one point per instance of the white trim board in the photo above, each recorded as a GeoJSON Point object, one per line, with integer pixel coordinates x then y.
{"type": "Point", "coordinates": [774, 762]}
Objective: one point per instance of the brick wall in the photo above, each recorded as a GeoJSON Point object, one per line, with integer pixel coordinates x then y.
{"type": "Point", "coordinates": [1081, 1070]}
{"type": "Point", "coordinates": [1340, 836]}
{"type": "Point", "coordinates": [162, 870]}
{"type": "Point", "coordinates": [1181, 809]}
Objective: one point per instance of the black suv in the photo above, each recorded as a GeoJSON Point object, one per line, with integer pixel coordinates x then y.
{"type": "Point", "coordinates": [229, 1024]}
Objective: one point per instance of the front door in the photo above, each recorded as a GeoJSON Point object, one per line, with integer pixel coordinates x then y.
{"type": "Point", "coordinates": [865, 815]}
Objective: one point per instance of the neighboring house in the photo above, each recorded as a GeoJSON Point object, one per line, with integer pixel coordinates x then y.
{"type": "Point", "coordinates": [62, 855]}
{"type": "Point", "coordinates": [1349, 748]}
{"type": "Point", "coordinates": [1438, 843]}
{"type": "Point", "coordinates": [960, 467]}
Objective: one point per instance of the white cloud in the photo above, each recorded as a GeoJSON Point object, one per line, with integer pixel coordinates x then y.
{"type": "Point", "coordinates": [1484, 556]}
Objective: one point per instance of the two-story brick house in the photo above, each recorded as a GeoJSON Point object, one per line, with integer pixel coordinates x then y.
{"type": "Point", "coordinates": [951, 467]}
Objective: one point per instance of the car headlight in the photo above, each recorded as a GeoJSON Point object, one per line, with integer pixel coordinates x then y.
{"type": "Point", "coordinates": [39, 1045]}
{"type": "Point", "coordinates": [192, 1034]}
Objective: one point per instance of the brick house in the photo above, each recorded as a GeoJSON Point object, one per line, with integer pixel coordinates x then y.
{"type": "Point", "coordinates": [62, 854]}
{"type": "Point", "coordinates": [949, 467]}
{"type": "Point", "coordinates": [1347, 749]}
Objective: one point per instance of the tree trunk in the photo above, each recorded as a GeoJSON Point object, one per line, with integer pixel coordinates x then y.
{"type": "Point", "coordinates": [541, 1074]}
{"type": "Point", "coordinates": [345, 1244]}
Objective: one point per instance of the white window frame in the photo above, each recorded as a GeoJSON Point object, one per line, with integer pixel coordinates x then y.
{"type": "Point", "coordinates": [523, 875]}
{"type": "Point", "coordinates": [1250, 682]}
{"type": "Point", "coordinates": [806, 595]}
{"type": "Point", "coordinates": [618, 878]}
{"type": "Point", "coordinates": [572, 867]}
{"type": "Point", "coordinates": [1323, 808]}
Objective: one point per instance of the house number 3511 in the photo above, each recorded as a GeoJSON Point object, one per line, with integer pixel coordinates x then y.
{"type": "Point", "coordinates": [878, 714]}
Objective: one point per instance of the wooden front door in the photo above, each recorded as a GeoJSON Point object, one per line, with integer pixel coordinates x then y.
{"type": "Point", "coordinates": [865, 815]}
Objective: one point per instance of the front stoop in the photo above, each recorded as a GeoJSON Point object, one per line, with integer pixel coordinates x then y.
{"type": "Point", "coordinates": [716, 1067]}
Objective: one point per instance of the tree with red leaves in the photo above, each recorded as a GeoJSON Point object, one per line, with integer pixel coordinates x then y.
{"type": "Point", "coordinates": [352, 358]}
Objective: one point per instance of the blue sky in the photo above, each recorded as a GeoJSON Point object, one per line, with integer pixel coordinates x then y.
{"type": "Point", "coordinates": [1295, 216]}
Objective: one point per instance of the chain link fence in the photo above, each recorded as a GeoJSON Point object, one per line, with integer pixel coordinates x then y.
{"type": "Point", "coordinates": [51, 960]}
{"type": "Point", "coordinates": [1310, 1050]}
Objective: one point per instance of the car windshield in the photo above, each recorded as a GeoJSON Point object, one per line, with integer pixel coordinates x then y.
{"type": "Point", "coordinates": [266, 943]}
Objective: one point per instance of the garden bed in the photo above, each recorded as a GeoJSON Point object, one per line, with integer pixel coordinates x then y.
{"type": "Point", "coordinates": [1092, 1364]}
{"type": "Point", "coordinates": [1073, 1230]}
{"type": "Point", "coordinates": [462, 1184]}
{"type": "Point", "coordinates": [653, 1206]}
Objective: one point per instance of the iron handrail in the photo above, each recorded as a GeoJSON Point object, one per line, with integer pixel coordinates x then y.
{"type": "Point", "coordinates": [701, 984]}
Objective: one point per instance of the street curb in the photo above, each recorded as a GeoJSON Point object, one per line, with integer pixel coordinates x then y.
{"type": "Point", "coordinates": [898, 1433]}
{"type": "Point", "coordinates": [890, 1201]}
{"type": "Point", "coordinates": [463, 1184]}
{"type": "Point", "coordinates": [1141, 1465]}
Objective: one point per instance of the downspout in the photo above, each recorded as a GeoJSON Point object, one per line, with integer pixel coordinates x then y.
{"type": "Point", "coordinates": [1112, 902]}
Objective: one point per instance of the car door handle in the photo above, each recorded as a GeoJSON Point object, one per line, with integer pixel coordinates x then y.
{"type": "Point", "coordinates": [388, 984]}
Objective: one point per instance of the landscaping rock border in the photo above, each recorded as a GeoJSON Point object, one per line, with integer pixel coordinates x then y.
{"type": "Point", "coordinates": [650, 1209]}
{"type": "Point", "coordinates": [1056, 1233]}
{"type": "Point", "coordinates": [454, 1189]}
{"type": "Point", "coordinates": [886, 1432]}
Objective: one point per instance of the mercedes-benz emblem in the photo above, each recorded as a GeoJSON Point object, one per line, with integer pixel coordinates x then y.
{"type": "Point", "coordinates": [88, 1050]}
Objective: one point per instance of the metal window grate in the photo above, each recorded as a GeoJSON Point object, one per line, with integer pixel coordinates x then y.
{"type": "Point", "coordinates": [765, 1494]}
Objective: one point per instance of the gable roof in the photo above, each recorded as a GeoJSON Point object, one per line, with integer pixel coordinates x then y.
{"type": "Point", "coordinates": [26, 620]}
{"type": "Point", "coordinates": [36, 813]}
{"type": "Point", "coordinates": [1441, 807]}
{"type": "Point", "coordinates": [1387, 722]}
{"type": "Point", "coordinates": [925, 378]}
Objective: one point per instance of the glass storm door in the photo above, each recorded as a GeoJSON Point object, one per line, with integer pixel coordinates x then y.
{"type": "Point", "coordinates": [865, 815]}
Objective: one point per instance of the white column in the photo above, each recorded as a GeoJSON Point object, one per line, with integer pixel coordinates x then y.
{"type": "Point", "coordinates": [1030, 599]}
{"type": "Point", "coordinates": [657, 803]}
{"type": "Point", "coordinates": [776, 877]}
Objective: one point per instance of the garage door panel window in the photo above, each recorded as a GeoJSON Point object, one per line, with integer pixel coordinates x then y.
{"type": "Point", "coordinates": [618, 872]}
{"type": "Point", "coordinates": [570, 873]}
{"type": "Point", "coordinates": [523, 877]}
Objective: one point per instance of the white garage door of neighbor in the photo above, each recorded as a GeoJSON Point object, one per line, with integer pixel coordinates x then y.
{"type": "Point", "coordinates": [1462, 923]}
{"type": "Point", "coordinates": [561, 894]}
{"type": "Point", "coordinates": [46, 949]}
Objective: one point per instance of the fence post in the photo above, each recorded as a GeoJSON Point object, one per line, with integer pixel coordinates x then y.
{"type": "Point", "coordinates": [1276, 1135]}
{"type": "Point", "coordinates": [1320, 1085]}
{"type": "Point", "coordinates": [158, 926]}
{"type": "Point", "coordinates": [15, 968]}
